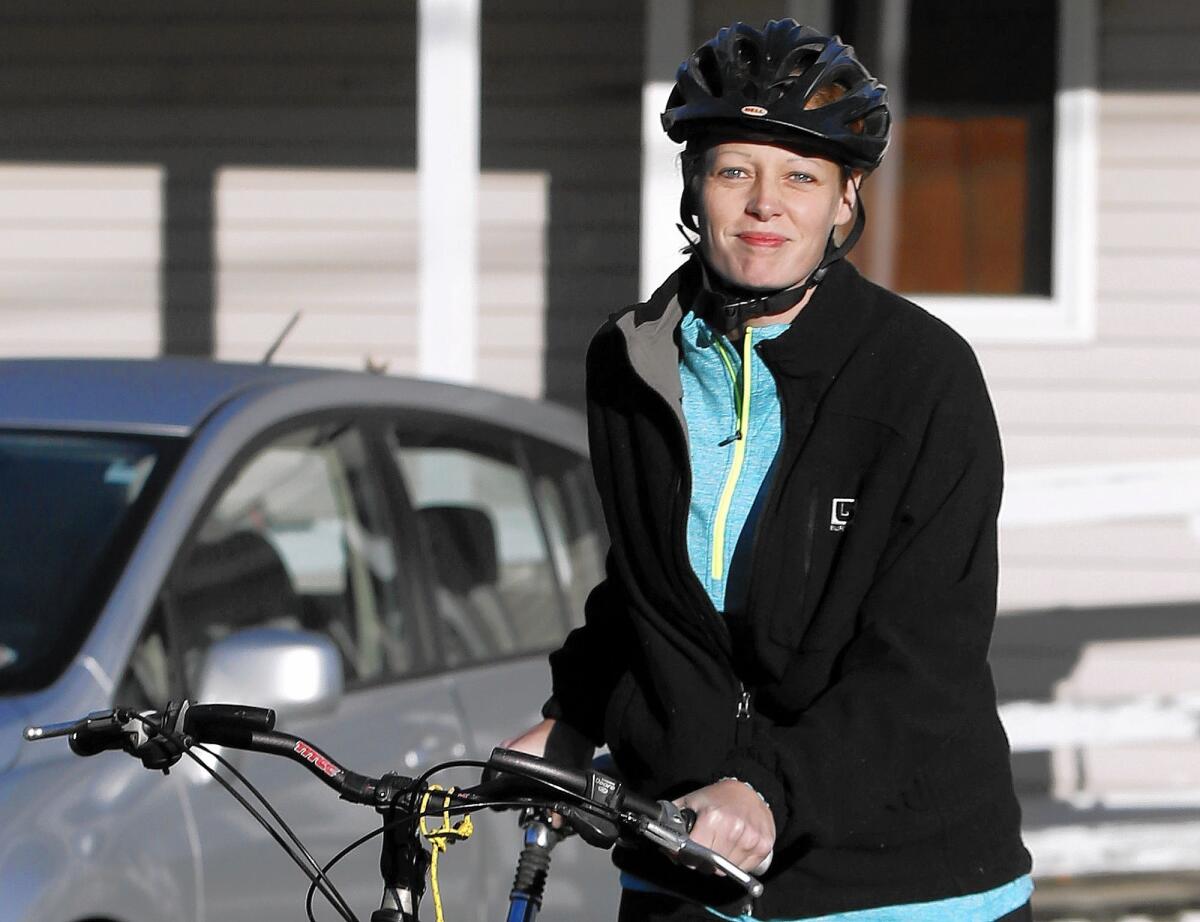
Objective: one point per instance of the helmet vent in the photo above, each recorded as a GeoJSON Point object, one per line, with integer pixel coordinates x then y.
{"type": "Point", "coordinates": [799, 60]}
{"type": "Point", "coordinates": [747, 55]}
{"type": "Point", "coordinates": [709, 72]}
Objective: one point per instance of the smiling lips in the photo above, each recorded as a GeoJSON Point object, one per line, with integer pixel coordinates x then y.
{"type": "Point", "coordinates": [758, 239]}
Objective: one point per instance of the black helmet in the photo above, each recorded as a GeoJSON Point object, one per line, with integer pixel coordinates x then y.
{"type": "Point", "coordinates": [755, 84]}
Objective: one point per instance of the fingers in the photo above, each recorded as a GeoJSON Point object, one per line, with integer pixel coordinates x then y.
{"type": "Point", "coordinates": [733, 820]}
{"type": "Point", "coordinates": [532, 741]}
{"type": "Point", "coordinates": [745, 844]}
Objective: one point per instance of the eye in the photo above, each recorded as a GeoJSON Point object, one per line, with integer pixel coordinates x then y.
{"type": "Point", "coordinates": [732, 172]}
{"type": "Point", "coordinates": [801, 177]}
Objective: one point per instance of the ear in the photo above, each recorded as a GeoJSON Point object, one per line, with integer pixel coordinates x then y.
{"type": "Point", "coordinates": [849, 198]}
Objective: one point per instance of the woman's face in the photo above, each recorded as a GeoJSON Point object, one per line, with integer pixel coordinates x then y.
{"type": "Point", "coordinates": [766, 212]}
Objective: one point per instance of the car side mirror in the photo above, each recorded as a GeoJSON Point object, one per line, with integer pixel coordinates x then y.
{"type": "Point", "coordinates": [298, 673]}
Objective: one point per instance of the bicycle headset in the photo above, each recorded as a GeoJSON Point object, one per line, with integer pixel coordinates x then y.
{"type": "Point", "coordinates": [784, 84]}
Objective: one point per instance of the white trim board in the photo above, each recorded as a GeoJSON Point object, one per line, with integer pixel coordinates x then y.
{"type": "Point", "coordinates": [661, 186]}
{"type": "Point", "coordinates": [448, 180]}
{"type": "Point", "coordinates": [1092, 493]}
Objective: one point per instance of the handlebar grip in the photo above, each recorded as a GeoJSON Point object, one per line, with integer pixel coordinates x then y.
{"type": "Point", "coordinates": [524, 765]}
{"type": "Point", "coordinates": [96, 735]}
{"type": "Point", "coordinates": [217, 723]}
{"type": "Point", "coordinates": [590, 785]}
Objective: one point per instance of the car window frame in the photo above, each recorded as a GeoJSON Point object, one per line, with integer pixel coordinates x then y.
{"type": "Point", "coordinates": [410, 568]}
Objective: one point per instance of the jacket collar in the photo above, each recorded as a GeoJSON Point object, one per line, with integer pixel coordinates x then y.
{"type": "Point", "coordinates": [843, 309]}
{"type": "Point", "coordinates": [651, 333]}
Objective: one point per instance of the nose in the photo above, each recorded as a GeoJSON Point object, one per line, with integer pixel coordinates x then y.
{"type": "Point", "coordinates": [764, 200]}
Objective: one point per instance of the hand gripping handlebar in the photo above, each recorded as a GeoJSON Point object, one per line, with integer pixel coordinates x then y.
{"type": "Point", "coordinates": [659, 821]}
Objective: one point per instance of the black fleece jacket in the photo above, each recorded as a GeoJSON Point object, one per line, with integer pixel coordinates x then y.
{"type": "Point", "coordinates": [871, 728]}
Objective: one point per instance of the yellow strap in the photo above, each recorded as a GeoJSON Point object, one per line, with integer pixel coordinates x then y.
{"type": "Point", "coordinates": [440, 839]}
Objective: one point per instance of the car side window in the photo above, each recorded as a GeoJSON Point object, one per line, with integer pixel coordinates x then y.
{"type": "Point", "coordinates": [148, 680]}
{"type": "Point", "coordinates": [496, 589]}
{"type": "Point", "coordinates": [298, 540]}
{"type": "Point", "coordinates": [566, 495]}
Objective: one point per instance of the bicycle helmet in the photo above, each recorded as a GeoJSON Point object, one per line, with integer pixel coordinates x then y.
{"type": "Point", "coordinates": [783, 84]}
{"type": "Point", "coordinates": [787, 83]}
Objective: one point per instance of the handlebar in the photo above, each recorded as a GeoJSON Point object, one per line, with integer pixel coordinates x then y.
{"type": "Point", "coordinates": [160, 738]}
{"type": "Point", "coordinates": [234, 726]}
{"type": "Point", "coordinates": [589, 785]}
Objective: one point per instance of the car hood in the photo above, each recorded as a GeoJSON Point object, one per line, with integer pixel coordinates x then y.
{"type": "Point", "coordinates": [12, 723]}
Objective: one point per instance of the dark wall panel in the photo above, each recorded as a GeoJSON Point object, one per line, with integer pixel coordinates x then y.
{"type": "Point", "coordinates": [562, 94]}
{"type": "Point", "coordinates": [195, 86]}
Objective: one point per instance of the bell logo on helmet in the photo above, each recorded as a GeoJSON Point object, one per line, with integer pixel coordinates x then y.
{"type": "Point", "coordinates": [756, 111]}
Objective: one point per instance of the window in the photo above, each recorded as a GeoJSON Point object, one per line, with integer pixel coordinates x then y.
{"type": "Point", "coordinates": [984, 210]}
{"type": "Point", "coordinates": [514, 548]}
{"type": "Point", "coordinates": [72, 507]}
{"type": "Point", "coordinates": [977, 152]}
{"type": "Point", "coordinates": [298, 541]}
{"type": "Point", "coordinates": [148, 680]}
{"type": "Point", "coordinates": [563, 488]}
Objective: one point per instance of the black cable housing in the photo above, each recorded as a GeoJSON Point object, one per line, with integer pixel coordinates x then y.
{"type": "Point", "coordinates": [317, 876]}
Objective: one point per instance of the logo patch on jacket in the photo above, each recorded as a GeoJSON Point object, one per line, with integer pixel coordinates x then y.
{"type": "Point", "coordinates": [841, 513]}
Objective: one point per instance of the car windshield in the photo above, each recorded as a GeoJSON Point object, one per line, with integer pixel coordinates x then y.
{"type": "Point", "coordinates": [71, 507]}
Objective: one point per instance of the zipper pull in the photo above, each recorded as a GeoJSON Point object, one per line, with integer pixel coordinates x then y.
{"type": "Point", "coordinates": [743, 708]}
{"type": "Point", "coordinates": [729, 441]}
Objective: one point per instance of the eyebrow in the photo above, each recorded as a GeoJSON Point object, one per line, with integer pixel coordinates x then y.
{"type": "Point", "coordinates": [747, 154]}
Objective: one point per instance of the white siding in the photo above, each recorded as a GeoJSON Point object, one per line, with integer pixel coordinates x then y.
{"type": "Point", "coordinates": [79, 259]}
{"type": "Point", "coordinates": [1132, 394]}
{"type": "Point", "coordinates": [341, 247]}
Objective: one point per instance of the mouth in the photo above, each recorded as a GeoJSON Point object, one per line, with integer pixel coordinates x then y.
{"type": "Point", "coordinates": [759, 239]}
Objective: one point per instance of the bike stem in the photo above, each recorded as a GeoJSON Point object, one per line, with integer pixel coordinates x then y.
{"type": "Point", "coordinates": [402, 859]}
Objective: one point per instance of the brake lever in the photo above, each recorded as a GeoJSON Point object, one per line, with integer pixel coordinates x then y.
{"type": "Point", "coordinates": [678, 845]}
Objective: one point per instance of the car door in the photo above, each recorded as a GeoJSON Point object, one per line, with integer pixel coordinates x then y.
{"type": "Point", "coordinates": [302, 538]}
{"type": "Point", "coordinates": [512, 527]}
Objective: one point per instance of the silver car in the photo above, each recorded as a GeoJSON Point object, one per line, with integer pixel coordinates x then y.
{"type": "Point", "coordinates": [384, 561]}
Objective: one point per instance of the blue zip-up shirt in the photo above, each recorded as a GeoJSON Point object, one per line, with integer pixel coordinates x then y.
{"type": "Point", "coordinates": [729, 484]}
{"type": "Point", "coordinates": [727, 490]}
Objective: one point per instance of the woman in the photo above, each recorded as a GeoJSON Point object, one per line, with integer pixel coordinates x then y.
{"type": "Point", "coordinates": [800, 474]}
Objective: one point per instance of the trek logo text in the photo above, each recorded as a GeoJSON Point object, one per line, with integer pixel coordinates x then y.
{"type": "Point", "coordinates": [323, 764]}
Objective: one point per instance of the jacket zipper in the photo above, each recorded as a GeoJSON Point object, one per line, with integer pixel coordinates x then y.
{"type": "Point", "coordinates": [744, 713]}
{"type": "Point", "coordinates": [741, 409]}
{"type": "Point", "coordinates": [773, 490]}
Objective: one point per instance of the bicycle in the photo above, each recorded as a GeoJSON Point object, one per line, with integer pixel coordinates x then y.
{"type": "Point", "coordinates": [590, 803]}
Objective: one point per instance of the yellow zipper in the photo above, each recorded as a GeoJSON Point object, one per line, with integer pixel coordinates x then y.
{"type": "Point", "coordinates": [739, 453]}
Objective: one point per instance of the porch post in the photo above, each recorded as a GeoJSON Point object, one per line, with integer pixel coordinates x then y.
{"type": "Point", "coordinates": [448, 188]}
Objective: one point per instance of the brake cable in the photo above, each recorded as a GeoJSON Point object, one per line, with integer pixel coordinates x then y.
{"type": "Point", "coordinates": [317, 876]}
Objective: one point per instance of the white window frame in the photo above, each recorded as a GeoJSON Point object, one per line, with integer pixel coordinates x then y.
{"type": "Point", "coordinates": [1067, 315]}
